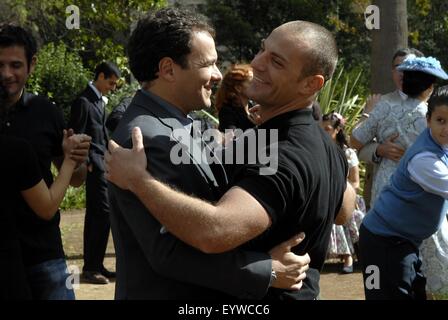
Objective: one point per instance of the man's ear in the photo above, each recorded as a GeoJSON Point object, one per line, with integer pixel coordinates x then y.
{"type": "Point", "coordinates": [312, 84]}
{"type": "Point", "coordinates": [32, 64]}
{"type": "Point", "coordinates": [166, 69]}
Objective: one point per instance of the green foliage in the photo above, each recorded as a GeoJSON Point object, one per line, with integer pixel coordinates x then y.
{"type": "Point", "coordinates": [59, 74]}
{"type": "Point", "coordinates": [104, 25]}
{"type": "Point", "coordinates": [126, 90]}
{"type": "Point", "coordinates": [242, 24]}
{"type": "Point", "coordinates": [428, 27]}
{"type": "Point", "coordinates": [75, 198]}
{"type": "Point", "coordinates": [342, 94]}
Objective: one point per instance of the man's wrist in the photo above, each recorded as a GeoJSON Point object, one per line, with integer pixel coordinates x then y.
{"type": "Point", "coordinates": [139, 181]}
{"type": "Point", "coordinates": [375, 157]}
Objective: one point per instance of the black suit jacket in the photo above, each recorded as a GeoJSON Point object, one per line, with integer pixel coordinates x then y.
{"type": "Point", "coordinates": [88, 115]}
{"type": "Point", "coordinates": [152, 264]}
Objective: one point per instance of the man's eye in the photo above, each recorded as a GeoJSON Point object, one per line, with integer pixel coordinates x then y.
{"type": "Point", "coordinates": [277, 63]}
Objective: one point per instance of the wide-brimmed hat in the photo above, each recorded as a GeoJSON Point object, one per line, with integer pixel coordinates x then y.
{"type": "Point", "coordinates": [428, 65]}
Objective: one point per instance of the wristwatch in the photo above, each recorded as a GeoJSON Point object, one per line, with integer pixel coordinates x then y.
{"type": "Point", "coordinates": [273, 278]}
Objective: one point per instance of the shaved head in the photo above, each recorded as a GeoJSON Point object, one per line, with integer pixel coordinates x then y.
{"type": "Point", "coordinates": [318, 44]}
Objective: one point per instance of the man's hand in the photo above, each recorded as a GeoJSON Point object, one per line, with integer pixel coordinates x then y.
{"type": "Point", "coordinates": [289, 267]}
{"type": "Point", "coordinates": [76, 146]}
{"type": "Point", "coordinates": [254, 115]}
{"type": "Point", "coordinates": [390, 150]}
{"type": "Point", "coordinates": [125, 166]}
{"type": "Point", "coordinates": [372, 100]}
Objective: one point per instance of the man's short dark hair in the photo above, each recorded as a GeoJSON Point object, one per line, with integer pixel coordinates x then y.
{"type": "Point", "coordinates": [406, 51]}
{"type": "Point", "coordinates": [322, 52]}
{"type": "Point", "coordinates": [11, 35]}
{"type": "Point", "coordinates": [163, 33]}
{"type": "Point", "coordinates": [108, 69]}
{"type": "Point", "coordinates": [415, 82]}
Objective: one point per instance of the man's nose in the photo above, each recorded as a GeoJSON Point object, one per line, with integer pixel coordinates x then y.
{"type": "Point", "coordinates": [258, 62]}
{"type": "Point", "coordinates": [216, 74]}
{"type": "Point", "coordinates": [5, 72]}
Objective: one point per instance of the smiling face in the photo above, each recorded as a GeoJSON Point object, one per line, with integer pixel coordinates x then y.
{"type": "Point", "coordinates": [194, 84]}
{"type": "Point", "coordinates": [277, 69]}
{"type": "Point", "coordinates": [438, 122]}
{"type": "Point", "coordinates": [14, 71]}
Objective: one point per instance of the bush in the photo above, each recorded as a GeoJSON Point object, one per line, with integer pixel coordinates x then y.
{"type": "Point", "coordinates": [59, 75]}
{"type": "Point", "coordinates": [75, 198]}
{"type": "Point", "coordinates": [124, 91]}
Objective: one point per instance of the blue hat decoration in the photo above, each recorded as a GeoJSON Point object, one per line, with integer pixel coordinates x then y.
{"type": "Point", "coordinates": [428, 65]}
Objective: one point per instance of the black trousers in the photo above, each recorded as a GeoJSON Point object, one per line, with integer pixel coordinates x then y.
{"type": "Point", "coordinates": [397, 261]}
{"type": "Point", "coordinates": [96, 223]}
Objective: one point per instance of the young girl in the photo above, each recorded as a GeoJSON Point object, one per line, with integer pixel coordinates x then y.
{"type": "Point", "coordinates": [344, 239]}
{"type": "Point", "coordinates": [410, 209]}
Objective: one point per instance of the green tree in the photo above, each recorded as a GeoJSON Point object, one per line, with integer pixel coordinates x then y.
{"type": "Point", "coordinates": [428, 27]}
{"type": "Point", "coordinates": [242, 24]}
{"type": "Point", "coordinates": [59, 75]}
{"type": "Point", "coordinates": [104, 25]}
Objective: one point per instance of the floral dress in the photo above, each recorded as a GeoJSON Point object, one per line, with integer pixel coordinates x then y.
{"type": "Point", "coordinates": [407, 117]}
{"type": "Point", "coordinates": [344, 237]}
{"type": "Point", "coordinates": [434, 255]}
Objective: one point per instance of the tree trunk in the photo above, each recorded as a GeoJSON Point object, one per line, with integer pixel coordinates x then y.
{"type": "Point", "coordinates": [392, 35]}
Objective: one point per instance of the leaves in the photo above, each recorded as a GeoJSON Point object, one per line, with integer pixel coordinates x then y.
{"type": "Point", "coordinates": [59, 74]}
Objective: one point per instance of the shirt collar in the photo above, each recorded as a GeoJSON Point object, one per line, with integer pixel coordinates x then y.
{"type": "Point", "coordinates": [300, 116]}
{"type": "Point", "coordinates": [97, 92]}
{"type": "Point", "coordinates": [186, 121]}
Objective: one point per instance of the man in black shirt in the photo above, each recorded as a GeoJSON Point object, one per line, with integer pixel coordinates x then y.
{"type": "Point", "coordinates": [41, 123]}
{"type": "Point", "coordinates": [301, 189]}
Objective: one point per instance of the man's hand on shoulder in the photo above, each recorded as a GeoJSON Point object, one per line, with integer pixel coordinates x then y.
{"type": "Point", "coordinates": [125, 167]}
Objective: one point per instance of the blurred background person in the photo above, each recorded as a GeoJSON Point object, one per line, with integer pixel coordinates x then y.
{"type": "Point", "coordinates": [344, 238]}
{"type": "Point", "coordinates": [232, 102]}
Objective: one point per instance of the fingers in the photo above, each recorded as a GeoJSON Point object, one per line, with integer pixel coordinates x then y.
{"type": "Point", "coordinates": [294, 241]}
{"type": "Point", "coordinates": [137, 139]}
{"type": "Point", "coordinates": [79, 152]}
{"type": "Point", "coordinates": [113, 145]}
{"type": "Point", "coordinates": [82, 146]}
{"type": "Point", "coordinates": [297, 286]}
{"type": "Point", "coordinates": [393, 137]}
{"type": "Point", "coordinates": [77, 158]}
